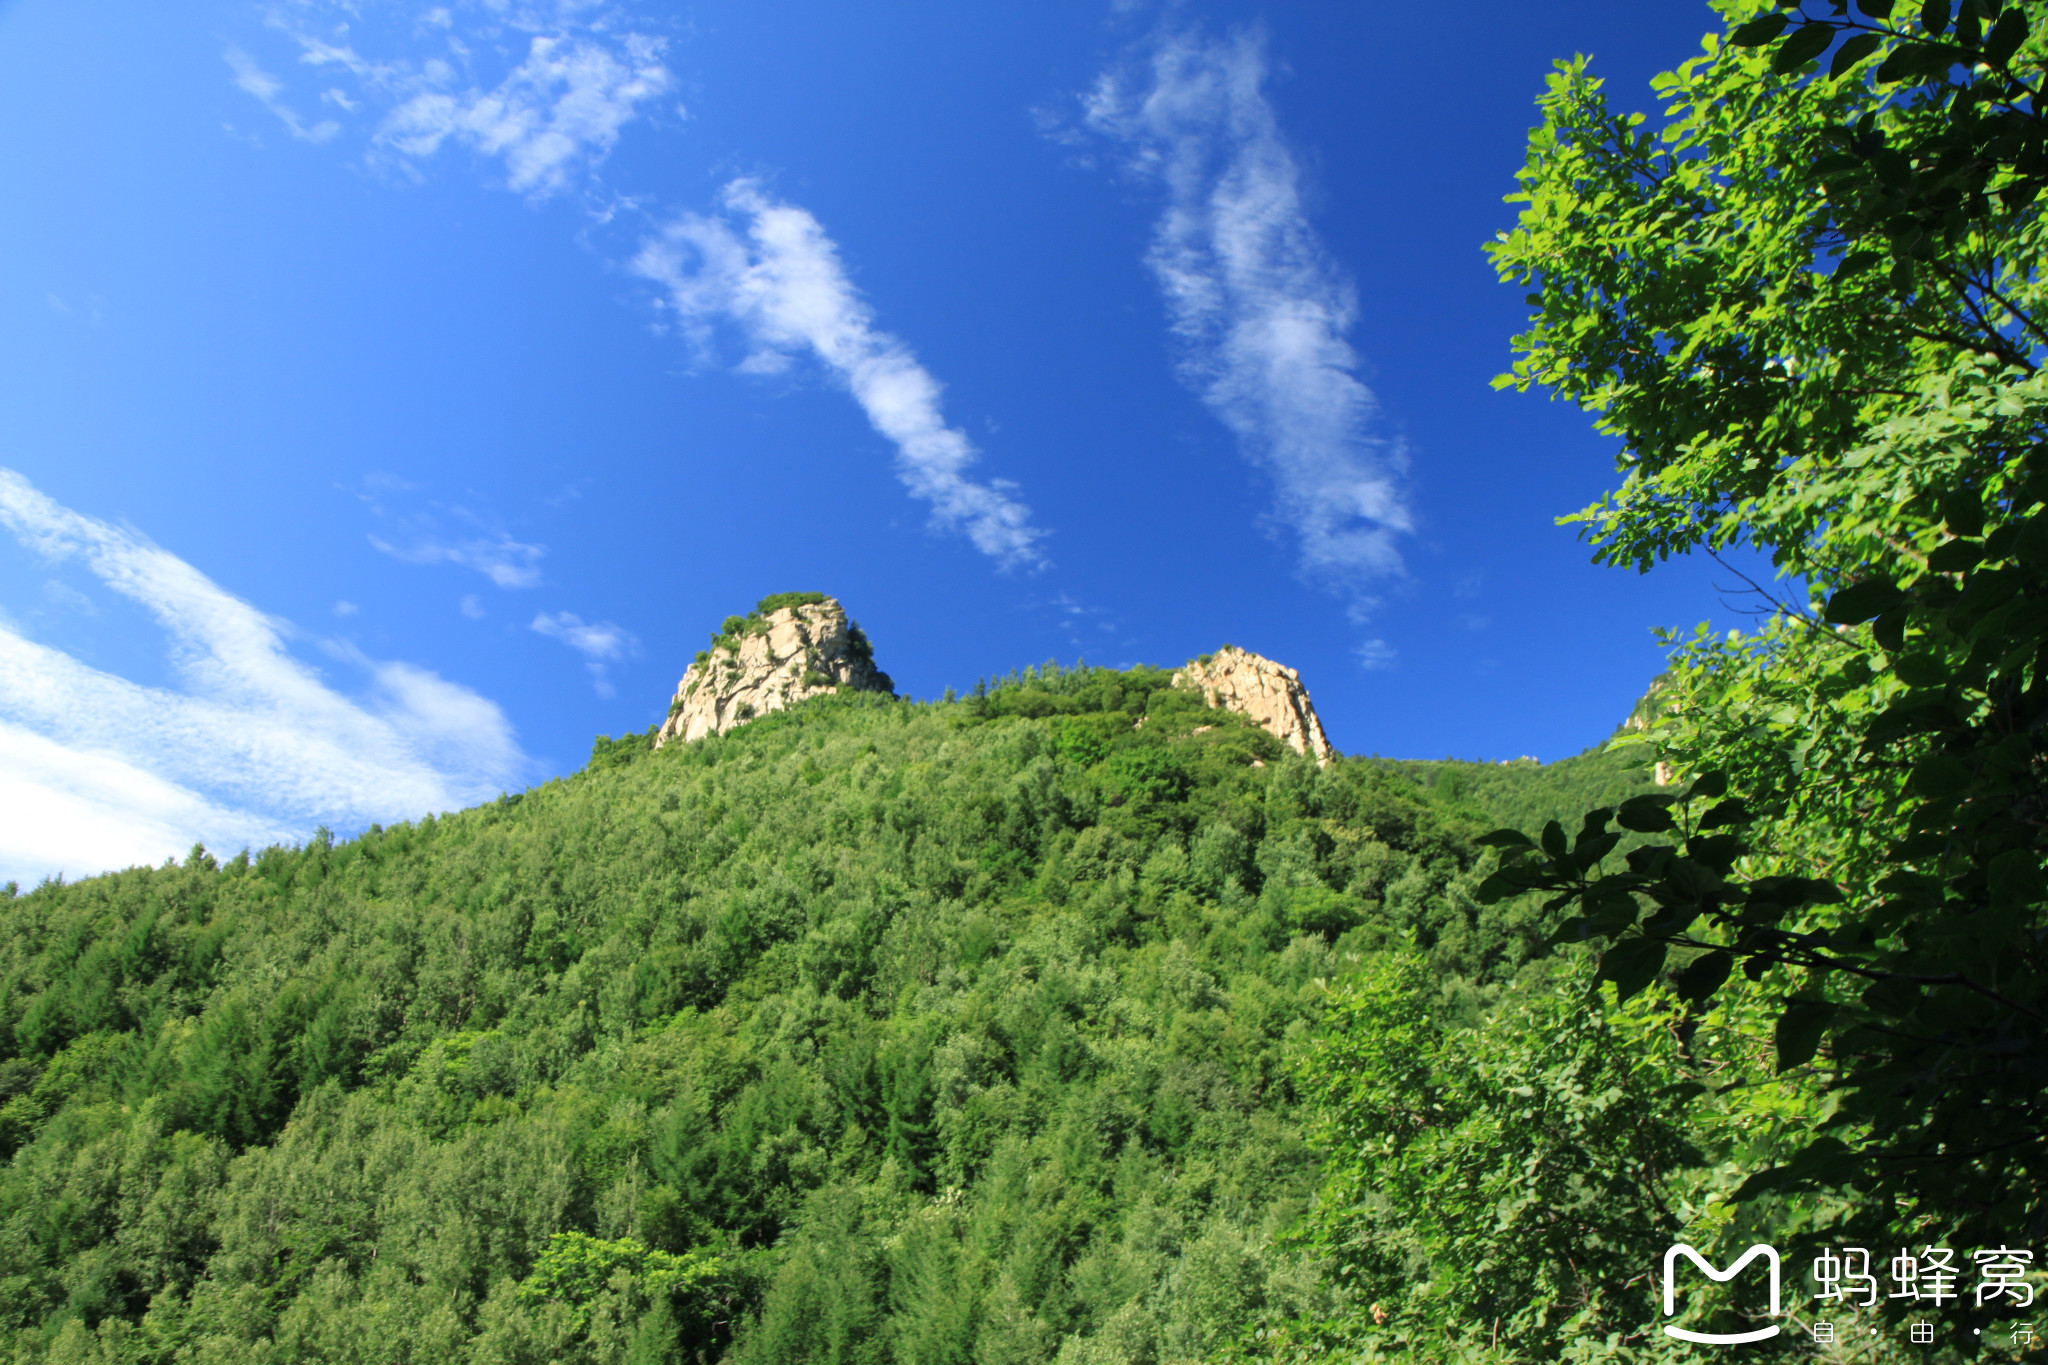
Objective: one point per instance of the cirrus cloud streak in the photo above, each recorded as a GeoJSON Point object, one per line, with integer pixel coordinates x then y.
{"type": "Point", "coordinates": [1258, 309]}
{"type": "Point", "coordinates": [550, 118]}
{"type": "Point", "coordinates": [557, 112]}
{"type": "Point", "coordinates": [599, 642]}
{"type": "Point", "coordinates": [770, 268]}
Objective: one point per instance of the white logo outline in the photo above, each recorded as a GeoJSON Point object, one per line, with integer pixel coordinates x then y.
{"type": "Point", "coordinates": [1769, 1254]}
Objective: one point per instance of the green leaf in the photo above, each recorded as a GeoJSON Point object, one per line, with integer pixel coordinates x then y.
{"type": "Point", "coordinates": [1646, 814]}
{"type": "Point", "coordinates": [1859, 602]}
{"type": "Point", "coordinates": [1894, 169]}
{"type": "Point", "coordinates": [1826, 1160]}
{"type": "Point", "coordinates": [1693, 881]}
{"type": "Point", "coordinates": [1808, 41]}
{"type": "Point", "coordinates": [1505, 838]}
{"type": "Point", "coordinates": [2006, 37]}
{"type": "Point", "coordinates": [1856, 262]}
{"type": "Point", "coordinates": [1852, 52]}
{"type": "Point", "coordinates": [1879, 10]}
{"type": "Point", "coordinates": [1672, 920]}
{"type": "Point", "coordinates": [1891, 997]}
{"type": "Point", "coordinates": [1611, 908]}
{"type": "Point", "coordinates": [1496, 889]}
{"type": "Point", "coordinates": [1940, 776]}
{"type": "Point", "coordinates": [1934, 15]}
{"type": "Point", "coordinates": [1709, 784]}
{"type": "Point", "coordinates": [1759, 31]}
{"type": "Point", "coordinates": [2015, 880]}
{"type": "Point", "coordinates": [1650, 859]}
{"type": "Point", "coordinates": [1717, 850]}
{"type": "Point", "coordinates": [2030, 546]}
{"type": "Point", "coordinates": [1800, 1029]}
{"type": "Point", "coordinates": [1762, 1182]}
{"type": "Point", "coordinates": [1572, 930]}
{"type": "Point", "coordinates": [1633, 964]}
{"type": "Point", "coordinates": [1955, 556]}
{"type": "Point", "coordinates": [2035, 489]}
{"type": "Point", "coordinates": [1726, 813]}
{"type": "Point", "coordinates": [1791, 892]}
{"type": "Point", "coordinates": [1704, 975]}
{"type": "Point", "coordinates": [1916, 61]}
{"type": "Point", "coordinates": [1889, 629]}
{"type": "Point", "coordinates": [1962, 510]}
{"type": "Point", "coordinates": [1591, 848]}
{"type": "Point", "coordinates": [1916, 887]}
{"type": "Point", "coordinates": [1553, 840]}
{"type": "Point", "coordinates": [1920, 670]}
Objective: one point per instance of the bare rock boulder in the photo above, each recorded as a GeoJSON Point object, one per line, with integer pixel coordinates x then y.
{"type": "Point", "coordinates": [792, 647]}
{"type": "Point", "coordinates": [1270, 694]}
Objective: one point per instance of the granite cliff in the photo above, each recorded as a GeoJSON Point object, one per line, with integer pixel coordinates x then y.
{"type": "Point", "coordinates": [792, 646]}
{"type": "Point", "coordinates": [1268, 693]}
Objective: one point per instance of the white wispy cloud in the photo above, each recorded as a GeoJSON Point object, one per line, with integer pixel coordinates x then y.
{"type": "Point", "coordinates": [1374, 655]}
{"type": "Point", "coordinates": [599, 642]}
{"type": "Point", "coordinates": [549, 113]}
{"type": "Point", "coordinates": [88, 312]}
{"type": "Point", "coordinates": [557, 113]}
{"type": "Point", "coordinates": [251, 745]}
{"type": "Point", "coordinates": [1258, 309]}
{"type": "Point", "coordinates": [252, 79]}
{"type": "Point", "coordinates": [769, 268]}
{"type": "Point", "coordinates": [64, 595]}
{"type": "Point", "coordinates": [418, 533]}
{"type": "Point", "coordinates": [506, 562]}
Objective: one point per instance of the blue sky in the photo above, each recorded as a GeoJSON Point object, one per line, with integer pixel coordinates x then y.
{"type": "Point", "coordinates": [396, 395]}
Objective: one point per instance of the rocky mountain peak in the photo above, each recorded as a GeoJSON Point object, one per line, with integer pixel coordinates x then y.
{"type": "Point", "coordinates": [792, 646]}
{"type": "Point", "coordinates": [1269, 693]}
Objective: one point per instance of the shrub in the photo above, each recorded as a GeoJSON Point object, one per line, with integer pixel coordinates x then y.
{"type": "Point", "coordinates": [775, 602]}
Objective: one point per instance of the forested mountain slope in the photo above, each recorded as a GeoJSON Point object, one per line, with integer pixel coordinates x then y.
{"type": "Point", "coordinates": [871, 1031]}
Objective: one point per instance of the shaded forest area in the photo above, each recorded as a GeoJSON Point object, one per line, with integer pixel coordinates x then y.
{"type": "Point", "coordinates": [873, 1031]}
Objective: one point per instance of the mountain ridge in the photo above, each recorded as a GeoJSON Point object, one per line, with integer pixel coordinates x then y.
{"type": "Point", "coordinates": [868, 1030]}
{"type": "Point", "coordinates": [795, 646]}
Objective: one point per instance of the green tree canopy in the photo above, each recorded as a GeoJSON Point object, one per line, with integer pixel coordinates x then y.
{"type": "Point", "coordinates": [1808, 304]}
{"type": "Point", "coordinates": [871, 1031]}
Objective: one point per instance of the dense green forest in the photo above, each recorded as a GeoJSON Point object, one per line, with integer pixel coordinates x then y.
{"type": "Point", "coordinates": [872, 1031]}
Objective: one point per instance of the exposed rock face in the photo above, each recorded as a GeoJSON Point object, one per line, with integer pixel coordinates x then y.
{"type": "Point", "coordinates": [768, 661]}
{"type": "Point", "coordinates": [1270, 694]}
{"type": "Point", "coordinates": [1653, 707]}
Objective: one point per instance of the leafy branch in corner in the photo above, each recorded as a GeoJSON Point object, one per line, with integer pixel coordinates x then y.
{"type": "Point", "coordinates": [1811, 308]}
